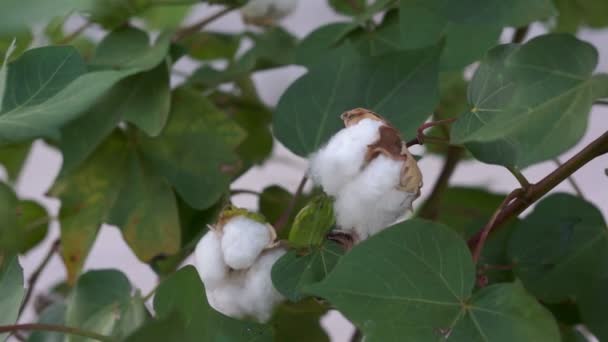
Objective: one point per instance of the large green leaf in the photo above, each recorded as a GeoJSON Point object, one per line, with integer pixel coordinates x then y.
{"type": "Point", "coordinates": [129, 193]}
{"type": "Point", "coordinates": [162, 330]}
{"type": "Point", "coordinates": [292, 272]}
{"type": "Point", "coordinates": [299, 322]}
{"type": "Point", "coordinates": [54, 314]}
{"type": "Point", "coordinates": [561, 253]}
{"type": "Point", "coordinates": [183, 294]}
{"type": "Point", "coordinates": [11, 290]}
{"type": "Point", "coordinates": [312, 49]}
{"type": "Point", "coordinates": [528, 106]}
{"type": "Point", "coordinates": [414, 281]}
{"type": "Point", "coordinates": [308, 112]}
{"type": "Point", "coordinates": [18, 14]}
{"type": "Point", "coordinates": [101, 302]}
{"type": "Point", "coordinates": [195, 152]}
{"type": "Point", "coordinates": [23, 224]}
{"type": "Point", "coordinates": [576, 13]}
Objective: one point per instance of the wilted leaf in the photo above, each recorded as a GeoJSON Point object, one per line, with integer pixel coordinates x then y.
{"type": "Point", "coordinates": [416, 280]}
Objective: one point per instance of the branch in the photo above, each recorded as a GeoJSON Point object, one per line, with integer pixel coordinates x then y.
{"type": "Point", "coordinates": [430, 208]}
{"type": "Point", "coordinates": [520, 34]}
{"type": "Point", "coordinates": [34, 277]}
{"type": "Point", "coordinates": [188, 30]}
{"type": "Point", "coordinates": [523, 181]}
{"type": "Point", "coordinates": [571, 180]}
{"type": "Point", "coordinates": [55, 328]}
{"type": "Point", "coordinates": [282, 221]}
{"type": "Point", "coordinates": [595, 149]}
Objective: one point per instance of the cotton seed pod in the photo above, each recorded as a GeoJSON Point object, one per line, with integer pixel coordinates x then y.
{"type": "Point", "coordinates": [267, 12]}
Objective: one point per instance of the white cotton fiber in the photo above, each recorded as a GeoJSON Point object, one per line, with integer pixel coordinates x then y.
{"type": "Point", "coordinates": [243, 240]}
{"type": "Point", "coordinates": [268, 9]}
{"type": "Point", "coordinates": [209, 260]}
{"type": "Point", "coordinates": [340, 161]}
{"type": "Point", "coordinates": [373, 201]}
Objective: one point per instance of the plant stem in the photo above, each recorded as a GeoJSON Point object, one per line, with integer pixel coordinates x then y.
{"type": "Point", "coordinates": [523, 181]}
{"type": "Point", "coordinates": [75, 34]}
{"type": "Point", "coordinates": [520, 34]}
{"type": "Point", "coordinates": [188, 30]}
{"type": "Point", "coordinates": [601, 102]}
{"type": "Point", "coordinates": [430, 208]}
{"type": "Point", "coordinates": [34, 277]}
{"type": "Point", "coordinates": [595, 149]}
{"type": "Point", "coordinates": [234, 192]}
{"type": "Point", "coordinates": [282, 221]}
{"type": "Point", "coordinates": [571, 180]}
{"type": "Point", "coordinates": [55, 328]}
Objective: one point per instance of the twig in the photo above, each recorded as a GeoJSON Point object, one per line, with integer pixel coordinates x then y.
{"type": "Point", "coordinates": [523, 181]}
{"type": "Point", "coordinates": [486, 230]}
{"type": "Point", "coordinates": [76, 33]}
{"type": "Point", "coordinates": [282, 221]}
{"type": "Point", "coordinates": [34, 277]}
{"type": "Point", "coordinates": [421, 137]}
{"type": "Point", "coordinates": [571, 180]}
{"type": "Point", "coordinates": [430, 208]}
{"type": "Point", "coordinates": [188, 30]}
{"type": "Point", "coordinates": [520, 34]}
{"type": "Point", "coordinates": [55, 328]}
{"type": "Point", "coordinates": [595, 149]}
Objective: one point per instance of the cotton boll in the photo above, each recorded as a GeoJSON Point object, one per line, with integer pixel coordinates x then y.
{"type": "Point", "coordinates": [340, 161]}
{"type": "Point", "coordinates": [260, 296]}
{"type": "Point", "coordinates": [373, 201]}
{"type": "Point", "coordinates": [267, 11]}
{"type": "Point", "coordinates": [243, 240]}
{"type": "Point", "coordinates": [209, 260]}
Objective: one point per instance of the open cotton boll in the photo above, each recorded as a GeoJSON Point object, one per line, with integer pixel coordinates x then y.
{"type": "Point", "coordinates": [243, 240]}
{"type": "Point", "coordinates": [209, 260]}
{"type": "Point", "coordinates": [341, 159]}
{"type": "Point", "coordinates": [373, 201]}
{"type": "Point", "coordinates": [267, 11]}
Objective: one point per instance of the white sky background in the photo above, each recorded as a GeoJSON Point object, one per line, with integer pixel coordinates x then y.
{"type": "Point", "coordinates": [110, 251]}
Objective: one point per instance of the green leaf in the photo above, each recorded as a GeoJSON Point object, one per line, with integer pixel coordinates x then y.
{"type": "Point", "coordinates": [293, 272]}
{"type": "Point", "coordinates": [211, 45]}
{"type": "Point", "coordinates": [161, 330]}
{"type": "Point", "coordinates": [524, 109]}
{"type": "Point", "coordinates": [313, 48]}
{"type": "Point", "coordinates": [183, 294]}
{"type": "Point", "coordinates": [313, 222]}
{"type": "Point", "coordinates": [200, 175]}
{"type": "Point", "coordinates": [348, 7]}
{"type": "Point", "coordinates": [575, 13]}
{"type": "Point", "coordinates": [166, 17]}
{"type": "Point", "coordinates": [129, 194]}
{"type": "Point", "coordinates": [308, 112]}
{"type": "Point", "coordinates": [22, 39]}
{"type": "Point", "coordinates": [11, 288]}
{"type": "Point", "coordinates": [600, 86]}
{"type": "Point", "coordinates": [13, 158]}
{"type": "Point", "coordinates": [416, 280]}
{"type": "Point", "coordinates": [143, 99]}
{"type": "Point", "coordinates": [23, 223]}
{"type": "Point", "coordinates": [18, 14]}
{"type": "Point", "coordinates": [560, 252]}
{"type": "Point", "coordinates": [100, 303]}
{"type": "Point", "coordinates": [299, 322]}
{"type": "Point", "coordinates": [54, 314]}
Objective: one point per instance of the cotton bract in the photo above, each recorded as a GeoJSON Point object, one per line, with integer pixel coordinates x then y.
{"type": "Point", "coordinates": [266, 12]}
{"type": "Point", "coordinates": [370, 173]}
{"type": "Point", "coordinates": [234, 262]}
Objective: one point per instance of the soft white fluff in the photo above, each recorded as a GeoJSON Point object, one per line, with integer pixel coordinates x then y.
{"type": "Point", "coordinates": [340, 161]}
{"type": "Point", "coordinates": [242, 293]}
{"type": "Point", "coordinates": [372, 201]}
{"type": "Point", "coordinates": [209, 260]}
{"type": "Point", "coordinates": [243, 240]}
{"type": "Point", "coordinates": [268, 9]}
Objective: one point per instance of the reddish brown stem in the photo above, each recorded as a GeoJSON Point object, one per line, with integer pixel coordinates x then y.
{"type": "Point", "coordinates": [535, 191]}
{"type": "Point", "coordinates": [188, 30]}
{"type": "Point", "coordinates": [34, 277]}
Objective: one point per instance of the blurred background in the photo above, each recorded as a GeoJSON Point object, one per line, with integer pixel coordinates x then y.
{"type": "Point", "coordinates": [284, 168]}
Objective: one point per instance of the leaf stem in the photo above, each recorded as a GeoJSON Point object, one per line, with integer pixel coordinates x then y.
{"type": "Point", "coordinates": [595, 149]}
{"type": "Point", "coordinates": [34, 277]}
{"type": "Point", "coordinates": [571, 180]}
{"type": "Point", "coordinates": [75, 33]}
{"type": "Point", "coordinates": [523, 181]}
{"type": "Point", "coordinates": [234, 192]}
{"type": "Point", "coordinates": [520, 34]}
{"type": "Point", "coordinates": [55, 328]}
{"type": "Point", "coordinates": [282, 221]}
{"type": "Point", "coordinates": [430, 208]}
{"type": "Point", "coordinates": [188, 30]}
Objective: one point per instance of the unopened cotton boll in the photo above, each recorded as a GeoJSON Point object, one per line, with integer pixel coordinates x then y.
{"type": "Point", "coordinates": [243, 240]}
{"type": "Point", "coordinates": [341, 159]}
{"type": "Point", "coordinates": [266, 12]}
{"type": "Point", "coordinates": [373, 200]}
{"type": "Point", "coordinates": [209, 260]}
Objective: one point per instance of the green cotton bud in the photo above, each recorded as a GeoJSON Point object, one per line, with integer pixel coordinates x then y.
{"type": "Point", "coordinates": [313, 222]}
